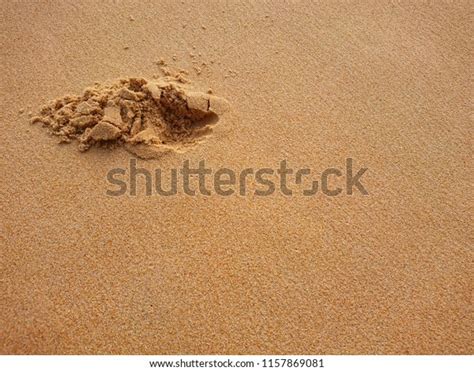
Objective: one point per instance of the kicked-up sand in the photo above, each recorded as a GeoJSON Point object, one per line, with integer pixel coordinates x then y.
{"type": "Point", "coordinates": [90, 88]}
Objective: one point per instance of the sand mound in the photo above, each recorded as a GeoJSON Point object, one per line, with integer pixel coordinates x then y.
{"type": "Point", "coordinates": [148, 118]}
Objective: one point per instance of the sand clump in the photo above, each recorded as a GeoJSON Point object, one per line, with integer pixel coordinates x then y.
{"type": "Point", "coordinates": [147, 118]}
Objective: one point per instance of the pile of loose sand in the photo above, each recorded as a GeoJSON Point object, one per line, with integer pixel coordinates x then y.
{"type": "Point", "coordinates": [147, 117]}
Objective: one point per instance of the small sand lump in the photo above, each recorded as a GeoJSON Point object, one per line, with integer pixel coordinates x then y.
{"type": "Point", "coordinates": [104, 131]}
{"type": "Point", "coordinates": [148, 118]}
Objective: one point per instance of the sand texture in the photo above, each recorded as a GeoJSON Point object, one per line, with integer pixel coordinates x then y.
{"type": "Point", "coordinates": [147, 117]}
{"type": "Point", "coordinates": [86, 86]}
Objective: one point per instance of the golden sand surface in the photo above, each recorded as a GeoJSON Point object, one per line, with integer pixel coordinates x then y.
{"type": "Point", "coordinates": [387, 84]}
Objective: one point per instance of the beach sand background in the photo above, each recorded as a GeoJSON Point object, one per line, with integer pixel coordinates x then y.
{"type": "Point", "coordinates": [385, 83]}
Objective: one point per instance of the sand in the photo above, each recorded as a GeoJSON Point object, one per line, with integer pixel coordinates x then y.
{"type": "Point", "coordinates": [387, 84]}
{"type": "Point", "coordinates": [149, 118]}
